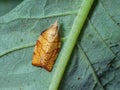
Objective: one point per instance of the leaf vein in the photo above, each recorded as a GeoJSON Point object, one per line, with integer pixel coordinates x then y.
{"type": "Point", "coordinates": [90, 65]}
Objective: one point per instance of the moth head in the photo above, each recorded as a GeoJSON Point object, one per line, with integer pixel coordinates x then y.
{"type": "Point", "coordinates": [51, 34]}
{"type": "Point", "coordinates": [53, 30]}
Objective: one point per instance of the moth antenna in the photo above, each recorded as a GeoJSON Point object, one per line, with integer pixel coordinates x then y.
{"type": "Point", "coordinates": [56, 23]}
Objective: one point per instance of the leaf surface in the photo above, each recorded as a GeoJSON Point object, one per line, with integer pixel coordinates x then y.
{"type": "Point", "coordinates": [95, 60]}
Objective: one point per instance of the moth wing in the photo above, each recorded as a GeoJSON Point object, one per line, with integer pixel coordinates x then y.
{"type": "Point", "coordinates": [36, 54]}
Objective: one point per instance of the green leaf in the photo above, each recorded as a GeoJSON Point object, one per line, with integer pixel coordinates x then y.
{"type": "Point", "coordinates": [94, 63]}
{"type": "Point", "coordinates": [68, 46]}
{"type": "Point", "coordinates": [7, 5]}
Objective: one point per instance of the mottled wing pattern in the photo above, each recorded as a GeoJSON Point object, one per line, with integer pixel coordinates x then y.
{"type": "Point", "coordinates": [47, 48]}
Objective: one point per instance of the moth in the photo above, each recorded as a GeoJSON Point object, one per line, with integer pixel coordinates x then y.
{"type": "Point", "coordinates": [47, 48]}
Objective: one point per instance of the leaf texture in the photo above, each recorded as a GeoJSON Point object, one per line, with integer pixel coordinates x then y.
{"type": "Point", "coordinates": [94, 63]}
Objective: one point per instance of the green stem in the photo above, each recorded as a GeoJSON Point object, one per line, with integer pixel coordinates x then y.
{"type": "Point", "coordinates": [70, 43]}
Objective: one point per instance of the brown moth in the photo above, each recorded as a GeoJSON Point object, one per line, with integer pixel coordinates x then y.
{"type": "Point", "coordinates": [47, 48]}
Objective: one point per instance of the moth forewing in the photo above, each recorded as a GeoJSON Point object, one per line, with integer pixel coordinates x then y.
{"type": "Point", "coordinates": [47, 48]}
